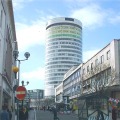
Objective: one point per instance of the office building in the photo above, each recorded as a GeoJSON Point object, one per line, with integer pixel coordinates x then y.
{"type": "Point", "coordinates": [34, 97]}
{"type": "Point", "coordinates": [63, 50]}
{"type": "Point", "coordinates": [96, 82]}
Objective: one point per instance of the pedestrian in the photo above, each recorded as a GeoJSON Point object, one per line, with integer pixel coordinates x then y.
{"type": "Point", "coordinates": [114, 113]}
{"type": "Point", "coordinates": [48, 108]}
{"type": "Point", "coordinates": [4, 114]}
{"type": "Point", "coordinates": [10, 114]}
{"type": "Point", "coordinates": [44, 108]}
{"type": "Point", "coordinates": [55, 113]}
{"type": "Point", "coordinates": [23, 114]}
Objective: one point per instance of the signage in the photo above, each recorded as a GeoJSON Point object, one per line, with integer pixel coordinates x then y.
{"type": "Point", "coordinates": [20, 92]}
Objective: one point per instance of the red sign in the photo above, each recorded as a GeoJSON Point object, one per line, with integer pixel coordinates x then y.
{"type": "Point", "coordinates": [20, 92]}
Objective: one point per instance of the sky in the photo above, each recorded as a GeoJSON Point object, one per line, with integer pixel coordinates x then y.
{"type": "Point", "coordinates": [100, 21]}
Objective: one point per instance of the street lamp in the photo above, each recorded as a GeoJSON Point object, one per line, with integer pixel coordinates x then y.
{"type": "Point", "coordinates": [15, 55]}
{"type": "Point", "coordinates": [24, 85]}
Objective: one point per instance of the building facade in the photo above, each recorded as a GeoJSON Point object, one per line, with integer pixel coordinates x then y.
{"type": "Point", "coordinates": [7, 38]}
{"type": "Point", "coordinates": [59, 93]}
{"type": "Point", "coordinates": [35, 97]}
{"type": "Point", "coordinates": [100, 74]}
{"type": "Point", "coordinates": [63, 50]}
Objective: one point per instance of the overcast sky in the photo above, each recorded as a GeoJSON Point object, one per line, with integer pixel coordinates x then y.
{"type": "Point", "coordinates": [100, 20]}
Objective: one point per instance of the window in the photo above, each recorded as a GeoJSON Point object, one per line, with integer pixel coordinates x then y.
{"type": "Point", "coordinates": [80, 70]}
{"type": "Point", "coordinates": [78, 73]}
{"type": "Point", "coordinates": [1, 15]}
{"type": "Point", "coordinates": [84, 71]}
{"type": "Point", "coordinates": [69, 19]}
{"type": "Point", "coordinates": [87, 68]}
{"type": "Point", "coordinates": [72, 77]}
{"type": "Point", "coordinates": [102, 59]}
{"type": "Point", "coordinates": [108, 55]}
{"type": "Point", "coordinates": [91, 66]}
{"type": "Point", "coordinates": [109, 73]}
{"type": "Point", "coordinates": [96, 62]}
{"type": "Point", "coordinates": [75, 74]}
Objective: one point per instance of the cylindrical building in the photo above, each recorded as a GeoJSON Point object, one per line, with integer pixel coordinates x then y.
{"type": "Point", "coordinates": [63, 50]}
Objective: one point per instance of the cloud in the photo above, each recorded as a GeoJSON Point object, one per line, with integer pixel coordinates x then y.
{"type": "Point", "coordinates": [38, 74]}
{"type": "Point", "coordinates": [115, 20]}
{"type": "Point", "coordinates": [88, 54]}
{"type": "Point", "coordinates": [30, 35]}
{"type": "Point", "coordinates": [20, 3]}
{"type": "Point", "coordinates": [80, 1]}
{"type": "Point", "coordinates": [91, 16]}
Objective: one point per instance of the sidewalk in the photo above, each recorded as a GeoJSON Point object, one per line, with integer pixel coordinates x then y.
{"type": "Point", "coordinates": [13, 115]}
{"type": "Point", "coordinates": [31, 115]}
{"type": "Point", "coordinates": [47, 115]}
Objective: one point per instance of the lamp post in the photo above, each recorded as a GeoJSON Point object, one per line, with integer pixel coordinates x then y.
{"type": "Point", "coordinates": [15, 55]}
{"type": "Point", "coordinates": [24, 85]}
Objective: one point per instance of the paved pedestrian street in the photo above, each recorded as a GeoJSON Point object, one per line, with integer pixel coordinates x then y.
{"type": "Point", "coordinates": [31, 115]}
{"type": "Point", "coordinates": [47, 115]}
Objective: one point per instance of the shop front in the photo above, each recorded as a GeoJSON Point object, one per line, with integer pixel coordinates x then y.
{"type": "Point", "coordinates": [93, 107]}
{"type": "Point", "coordinates": [6, 99]}
{"type": "Point", "coordinates": [6, 95]}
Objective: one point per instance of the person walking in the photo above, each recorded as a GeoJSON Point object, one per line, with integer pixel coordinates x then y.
{"type": "Point", "coordinates": [44, 108]}
{"type": "Point", "coordinates": [114, 113]}
{"type": "Point", "coordinates": [55, 113]}
{"type": "Point", "coordinates": [23, 114]}
{"type": "Point", "coordinates": [4, 114]}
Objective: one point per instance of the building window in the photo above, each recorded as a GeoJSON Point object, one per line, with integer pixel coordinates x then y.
{"type": "Point", "coordinates": [69, 19]}
{"type": "Point", "coordinates": [78, 73]}
{"type": "Point", "coordinates": [108, 55]}
{"type": "Point", "coordinates": [80, 70]}
{"type": "Point", "coordinates": [72, 77]}
{"type": "Point", "coordinates": [102, 59]}
{"type": "Point", "coordinates": [91, 66]}
{"type": "Point", "coordinates": [87, 68]}
{"type": "Point", "coordinates": [109, 74]}
{"type": "Point", "coordinates": [1, 15]}
{"type": "Point", "coordinates": [84, 71]}
{"type": "Point", "coordinates": [96, 62]}
{"type": "Point", "coordinates": [75, 74]}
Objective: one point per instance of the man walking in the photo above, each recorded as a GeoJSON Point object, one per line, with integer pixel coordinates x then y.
{"type": "Point", "coordinates": [55, 113]}
{"type": "Point", "coordinates": [4, 114]}
{"type": "Point", "coordinates": [23, 114]}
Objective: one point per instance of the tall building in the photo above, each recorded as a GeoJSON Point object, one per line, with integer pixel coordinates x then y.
{"type": "Point", "coordinates": [63, 50]}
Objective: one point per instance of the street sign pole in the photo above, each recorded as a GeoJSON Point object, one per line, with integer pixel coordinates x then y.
{"type": "Point", "coordinates": [20, 94]}
{"type": "Point", "coordinates": [22, 103]}
{"type": "Point", "coordinates": [17, 109]}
